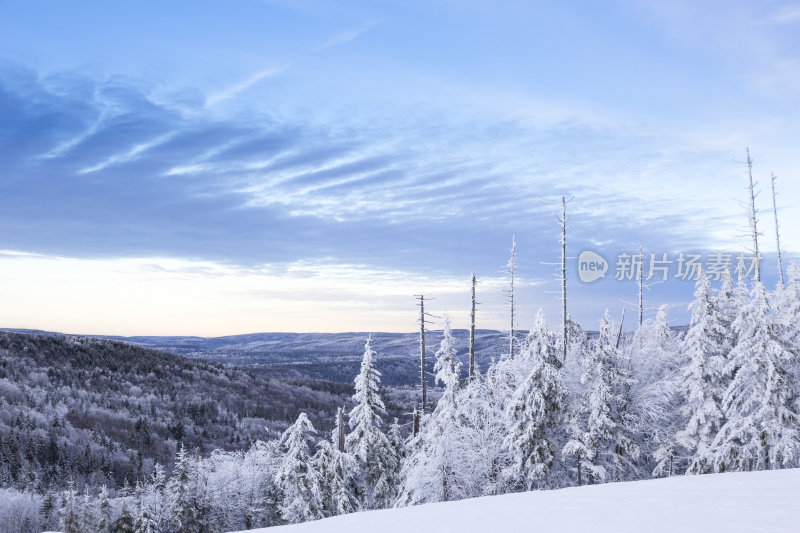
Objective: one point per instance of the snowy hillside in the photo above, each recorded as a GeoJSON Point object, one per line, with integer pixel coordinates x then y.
{"type": "Point", "coordinates": [746, 502]}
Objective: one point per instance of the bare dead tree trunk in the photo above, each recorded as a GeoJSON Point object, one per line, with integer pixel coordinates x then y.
{"type": "Point", "coordinates": [777, 231]}
{"type": "Point", "coordinates": [641, 287]}
{"type": "Point", "coordinates": [512, 269]}
{"type": "Point", "coordinates": [579, 470]}
{"type": "Point", "coordinates": [472, 333]}
{"type": "Point", "coordinates": [423, 381]}
{"type": "Point", "coordinates": [753, 216]}
{"type": "Point", "coordinates": [340, 422]}
{"type": "Point", "coordinates": [621, 321]}
{"type": "Point", "coordinates": [415, 424]}
{"type": "Point", "coordinates": [563, 223]}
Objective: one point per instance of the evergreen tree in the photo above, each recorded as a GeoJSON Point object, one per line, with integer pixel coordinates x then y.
{"type": "Point", "coordinates": [431, 472]}
{"type": "Point", "coordinates": [479, 438]}
{"type": "Point", "coordinates": [367, 442]}
{"type": "Point", "coordinates": [609, 436]}
{"type": "Point", "coordinates": [397, 441]}
{"type": "Point", "coordinates": [69, 520]}
{"type": "Point", "coordinates": [88, 518]}
{"type": "Point", "coordinates": [47, 508]}
{"type": "Point", "coordinates": [337, 487]}
{"type": "Point", "coordinates": [535, 411]}
{"type": "Point", "coordinates": [124, 524]}
{"type": "Point", "coordinates": [296, 477]}
{"type": "Point", "coordinates": [579, 448]}
{"type": "Point", "coordinates": [182, 498]}
{"type": "Point", "coordinates": [104, 516]}
{"type": "Point", "coordinates": [761, 430]}
{"type": "Point", "coordinates": [447, 368]}
{"type": "Point", "coordinates": [143, 523]}
{"type": "Point", "coordinates": [702, 380]}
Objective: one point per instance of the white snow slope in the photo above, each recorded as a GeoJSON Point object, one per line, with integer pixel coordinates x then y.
{"type": "Point", "coordinates": [746, 502]}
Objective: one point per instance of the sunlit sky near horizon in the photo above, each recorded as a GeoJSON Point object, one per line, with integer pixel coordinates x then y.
{"type": "Point", "coordinates": [211, 168]}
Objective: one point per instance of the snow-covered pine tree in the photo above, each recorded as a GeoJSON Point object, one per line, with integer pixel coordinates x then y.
{"type": "Point", "coordinates": [323, 464]}
{"type": "Point", "coordinates": [88, 516]}
{"type": "Point", "coordinates": [703, 379]}
{"type": "Point", "coordinates": [578, 447]}
{"type": "Point", "coordinates": [788, 303]}
{"type": "Point", "coordinates": [448, 369]}
{"type": "Point", "coordinates": [431, 471]}
{"type": "Point", "coordinates": [576, 454]}
{"type": "Point", "coordinates": [335, 469]}
{"type": "Point", "coordinates": [608, 378]}
{"type": "Point", "coordinates": [156, 500]}
{"type": "Point", "coordinates": [296, 477]}
{"type": "Point", "coordinates": [535, 412]}
{"type": "Point", "coordinates": [124, 523]}
{"type": "Point", "coordinates": [761, 430]}
{"type": "Point", "coordinates": [180, 490]}
{"type": "Point", "coordinates": [397, 441]}
{"type": "Point", "coordinates": [104, 515]}
{"type": "Point", "coordinates": [143, 523]}
{"type": "Point", "coordinates": [366, 442]}
{"type": "Point", "coordinates": [69, 520]}
{"type": "Point", "coordinates": [479, 438]}
{"type": "Point", "coordinates": [653, 402]}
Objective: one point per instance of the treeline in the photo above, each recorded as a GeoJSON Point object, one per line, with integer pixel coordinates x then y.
{"type": "Point", "coordinates": [101, 412]}
{"type": "Point", "coordinates": [722, 396]}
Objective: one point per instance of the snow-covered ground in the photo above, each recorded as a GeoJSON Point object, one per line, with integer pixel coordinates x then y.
{"type": "Point", "coordinates": [746, 502]}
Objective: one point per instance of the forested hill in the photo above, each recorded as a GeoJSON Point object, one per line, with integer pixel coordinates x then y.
{"type": "Point", "coordinates": [102, 411]}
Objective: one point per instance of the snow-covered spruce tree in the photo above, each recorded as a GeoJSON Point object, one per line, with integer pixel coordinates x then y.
{"type": "Point", "coordinates": [258, 494]}
{"type": "Point", "coordinates": [431, 472]}
{"type": "Point", "coordinates": [397, 441]}
{"type": "Point", "coordinates": [479, 438]}
{"type": "Point", "coordinates": [323, 464]}
{"type": "Point", "coordinates": [761, 428]}
{"type": "Point", "coordinates": [297, 479]}
{"type": "Point", "coordinates": [69, 521]}
{"type": "Point", "coordinates": [181, 494]}
{"type": "Point", "coordinates": [448, 369]}
{"type": "Point", "coordinates": [124, 523]}
{"type": "Point", "coordinates": [143, 523]}
{"type": "Point", "coordinates": [608, 380]}
{"type": "Point", "coordinates": [576, 455]}
{"type": "Point", "coordinates": [703, 379]}
{"type": "Point", "coordinates": [533, 415]}
{"type": "Point", "coordinates": [788, 303]}
{"type": "Point", "coordinates": [104, 515]}
{"type": "Point", "coordinates": [367, 443]}
{"type": "Point", "coordinates": [578, 447]}
{"type": "Point", "coordinates": [334, 468]}
{"type": "Point", "coordinates": [653, 402]}
{"type": "Point", "coordinates": [155, 498]}
{"type": "Point", "coordinates": [87, 513]}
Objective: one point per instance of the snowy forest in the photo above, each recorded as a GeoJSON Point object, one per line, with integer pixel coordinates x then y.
{"type": "Point", "coordinates": [99, 436]}
{"type": "Point", "coordinates": [609, 405]}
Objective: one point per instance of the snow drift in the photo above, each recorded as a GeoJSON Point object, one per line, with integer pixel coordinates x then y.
{"type": "Point", "coordinates": [747, 502]}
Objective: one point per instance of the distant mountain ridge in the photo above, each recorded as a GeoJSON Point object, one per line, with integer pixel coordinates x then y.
{"type": "Point", "coordinates": [325, 356]}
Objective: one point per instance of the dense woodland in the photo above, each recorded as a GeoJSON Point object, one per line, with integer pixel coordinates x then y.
{"type": "Point", "coordinates": [99, 412]}
{"type": "Point", "coordinates": [723, 395]}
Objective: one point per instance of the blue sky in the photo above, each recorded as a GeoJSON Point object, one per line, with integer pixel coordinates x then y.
{"type": "Point", "coordinates": [225, 167]}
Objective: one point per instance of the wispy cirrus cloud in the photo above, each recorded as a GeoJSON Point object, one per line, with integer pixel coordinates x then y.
{"type": "Point", "coordinates": [234, 90]}
{"type": "Point", "coordinates": [425, 197]}
{"type": "Point", "coordinates": [788, 14]}
{"type": "Point", "coordinates": [346, 36]}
